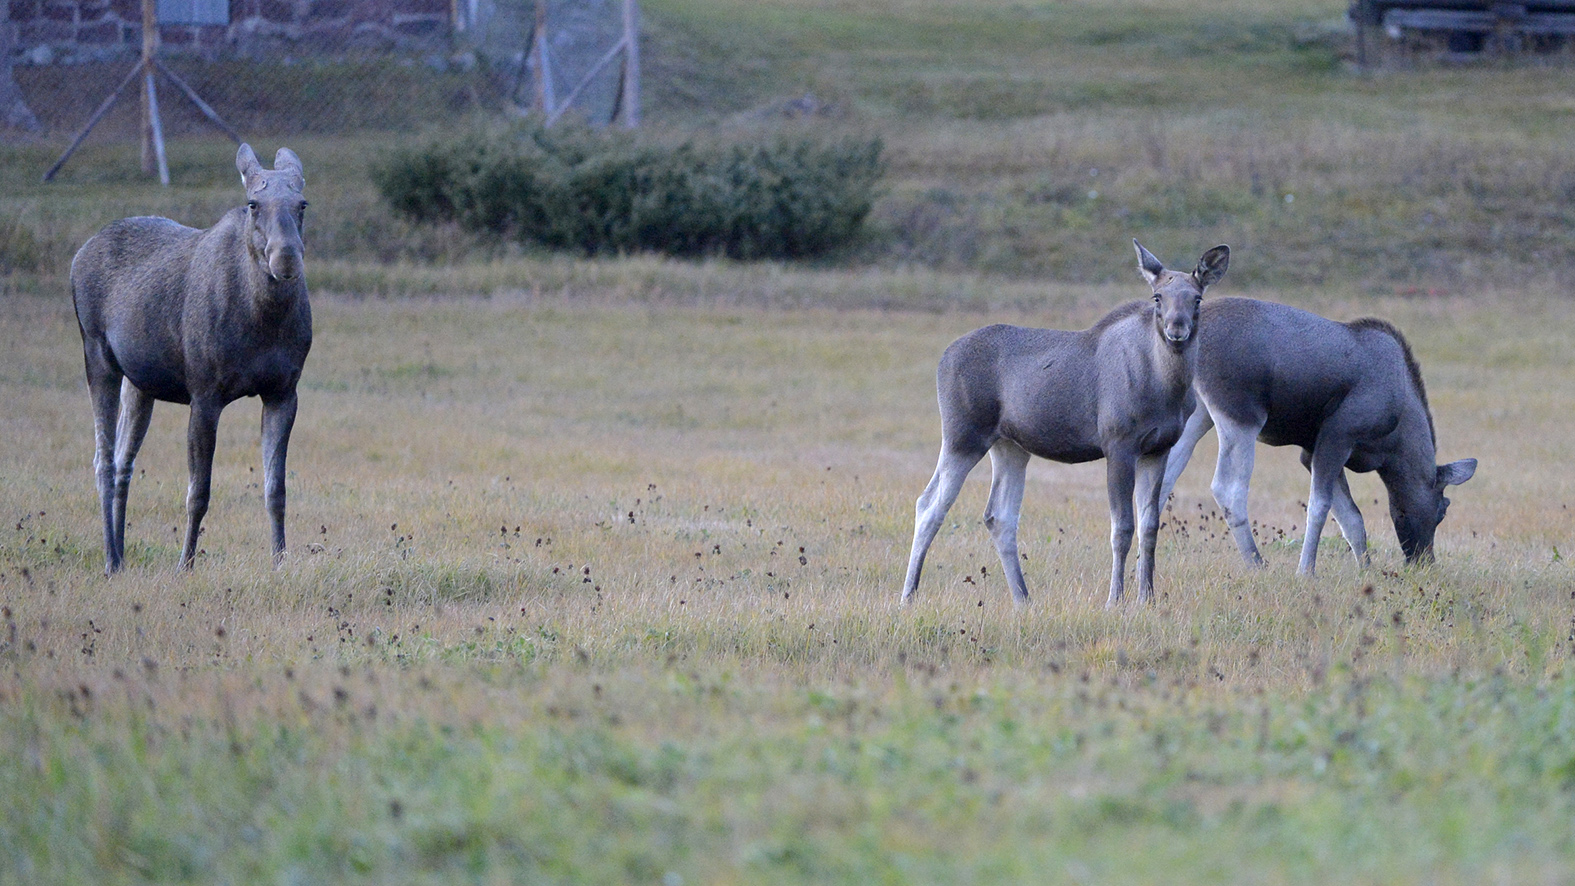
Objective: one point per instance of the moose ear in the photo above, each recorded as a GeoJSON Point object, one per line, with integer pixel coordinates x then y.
{"type": "Point", "coordinates": [1148, 264]}
{"type": "Point", "coordinates": [246, 162]}
{"type": "Point", "coordinates": [1456, 472]}
{"type": "Point", "coordinates": [286, 161]}
{"type": "Point", "coordinates": [1211, 267]}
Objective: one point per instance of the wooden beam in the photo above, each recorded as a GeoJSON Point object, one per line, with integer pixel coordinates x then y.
{"type": "Point", "coordinates": [601, 64]}
{"type": "Point", "coordinates": [103, 108]}
{"type": "Point", "coordinates": [204, 107]}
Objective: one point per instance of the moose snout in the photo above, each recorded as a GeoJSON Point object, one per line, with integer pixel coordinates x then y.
{"type": "Point", "coordinates": [285, 264]}
{"type": "Point", "coordinates": [1178, 329]}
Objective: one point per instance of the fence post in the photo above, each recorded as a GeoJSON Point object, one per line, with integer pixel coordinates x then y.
{"type": "Point", "coordinates": [631, 64]}
{"type": "Point", "coordinates": [544, 91]}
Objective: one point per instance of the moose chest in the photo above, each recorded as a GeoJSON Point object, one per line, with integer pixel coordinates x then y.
{"type": "Point", "coordinates": [267, 365]}
{"type": "Point", "coordinates": [1149, 431]}
{"type": "Point", "coordinates": [1144, 403]}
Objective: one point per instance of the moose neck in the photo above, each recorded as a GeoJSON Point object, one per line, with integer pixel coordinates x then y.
{"type": "Point", "coordinates": [1408, 472]}
{"type": "Point", "coordinates": [271, 296]}
{"type": "Point", "coordinates": [1174, 362]}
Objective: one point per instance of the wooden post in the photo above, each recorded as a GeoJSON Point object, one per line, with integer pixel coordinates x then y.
{"type": "Point", "coordinates": [630, 93]}
{"type": "Point", "coordinates": [103, 108]}
{"type": "Point", "coordinates": [1369, 34]}
{"type": "Point", "coordinates": [13, 107]}
{"type": "Point", "coordinates": [153, 156]}
{"type": "Point", "coordinates": [150, 43]}
{"type": "Point", "coordinates": [1360, 10]}
{"type": "Point", "coordinates": [545, 99]}
{"type": "Point", "coordinates": [155, 133]}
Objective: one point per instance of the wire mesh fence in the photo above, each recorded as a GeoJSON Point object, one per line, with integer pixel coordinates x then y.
{"type": "Point", "coordinates": [494, 56]}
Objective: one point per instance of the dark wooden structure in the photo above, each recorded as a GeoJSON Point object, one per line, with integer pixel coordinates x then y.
{"type": "Point", "coordinates": [1464, 26]}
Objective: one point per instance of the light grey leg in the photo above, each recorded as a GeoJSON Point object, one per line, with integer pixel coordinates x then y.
{"type": "Point", "coordinates": [104, 386]}
{"type": "Point", "coordinates": [930, 511]}
{"type": "Point", "coordinates": [201, 434]}
{"type": "Point", "coordinates": [1008, 473]}
{"type": "Point", "coordinates": [1350, 519]}
{"type": "Point", "coordinates": [1347, 515]}
{"type": "Point", "coordinates": [1120, 476]}
{"type": "Point", "coordinates": [277, 420]}
{"type": "Point", "coordinates": [136, 409]}
{"type": "Point", "coordinates": [1151, 470]}
{"type": "Point", "coordinates": [1232, 478]}
{"type": "Point", "coordinates": [1198, 424]}
{"type": "Point", "coordinates": [1328, 468]}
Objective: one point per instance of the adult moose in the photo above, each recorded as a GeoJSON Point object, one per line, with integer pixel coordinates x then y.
{"type": "Point", "coordinates": [1120, 390]}
{"type": "Point", "coordinates": [172, 313]}
{"type": "Point", "coordinates": [1349, 394]}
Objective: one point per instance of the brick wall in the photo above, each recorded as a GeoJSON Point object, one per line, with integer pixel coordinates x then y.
{"type": "Point", "coordinates": [49, 31]}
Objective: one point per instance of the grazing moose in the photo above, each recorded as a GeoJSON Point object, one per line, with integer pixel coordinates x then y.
{"type": "Point", "coordinates": [1349, 394]}
{"type": "Point", "coordinates": [172, 313]}
{"type": "Point", "coordinates": [1120, 390]}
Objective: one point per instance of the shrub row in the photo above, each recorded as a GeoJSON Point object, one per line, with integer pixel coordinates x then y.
{"type": "Point", "coordinates": [596, 192]}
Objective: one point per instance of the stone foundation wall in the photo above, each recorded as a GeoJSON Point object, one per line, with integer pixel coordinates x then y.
{"type": "Point", "coordinates": [65, 31]}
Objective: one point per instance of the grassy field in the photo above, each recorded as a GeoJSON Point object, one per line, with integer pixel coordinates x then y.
{"type": "Point", "coordinates": [594, 565]}
{"type": "Point", "coordinates": [594, 583]}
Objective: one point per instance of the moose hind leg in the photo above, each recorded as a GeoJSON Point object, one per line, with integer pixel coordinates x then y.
{"type": "Point", "coordinates": [1328, 467]}
{"type": "Point", "coordinates": [1232, 478]}
{"type": "Point", "coordinates": [136, 409]}
{"type": "Point", "coordinates": [1347, 514]}
{"type": "Point", "coordinates": [1350, 519]}
{"type": "Point", "coordinates": [930, 510]}
{"type": "Point", "coordinates": [277, 420]}
{"type": "Point", "coordinates": [201, 434]}
{"type": "Point", "coordinates": [1008, 473]}
{"type": "Point", "coordinates": [104, 385]}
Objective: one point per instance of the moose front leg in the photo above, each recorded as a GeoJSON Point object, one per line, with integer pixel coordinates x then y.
{"type": "Point", "coordinates": [1150, 478]}
{"type": "Point", "coordinates": [201, 434]}
{"type": "Point", "coordinates": [1120, 476]}
{"type": "Point", "coordinates": [1008, 474]}
{"type": "Point", "coordinates": [1347, 514]}
{"type": "Point", "coordinates": [278, 418]}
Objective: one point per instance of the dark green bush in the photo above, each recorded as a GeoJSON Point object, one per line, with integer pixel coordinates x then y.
{"type": "Point", "coordinates": [600, 192]}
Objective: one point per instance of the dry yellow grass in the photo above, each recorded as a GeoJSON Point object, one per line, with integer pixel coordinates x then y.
{"type": "Point", "coordinates": [637, 478]}
{"type": "Point", "coordinates": [610, 569]}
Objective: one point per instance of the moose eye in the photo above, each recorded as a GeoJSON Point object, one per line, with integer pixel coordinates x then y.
{"type": "Point", "coordinates": [251, 206]}
{"type": "Point", "coordinates": [1156, 298]}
